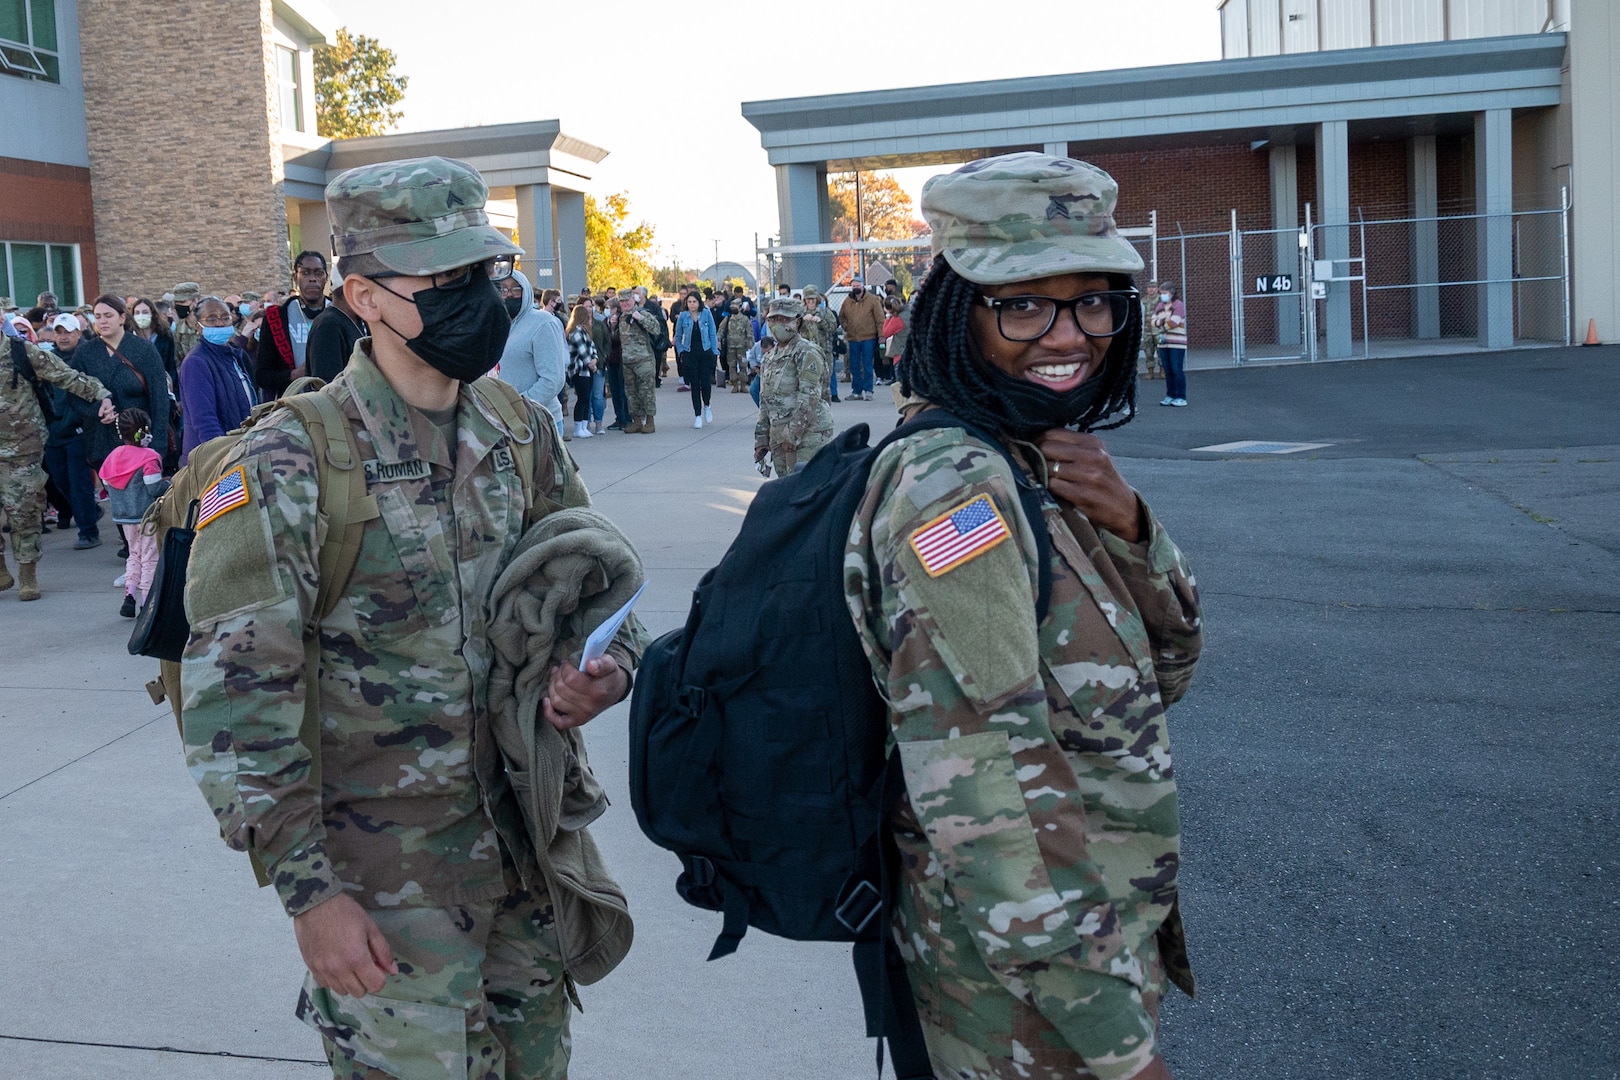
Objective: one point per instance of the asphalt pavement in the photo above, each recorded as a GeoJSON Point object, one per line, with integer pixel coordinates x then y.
{"type": "Point", "coordinates": [1398, 762]}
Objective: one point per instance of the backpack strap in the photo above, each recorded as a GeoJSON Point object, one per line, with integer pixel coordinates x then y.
{"type": "Point", "coordinates": [1030, 494]}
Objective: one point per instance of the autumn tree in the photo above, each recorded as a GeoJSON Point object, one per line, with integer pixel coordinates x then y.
{"type": "Point", "coordinates": [886, 214]}
{"type": "Point", "coordinates": [356, 88]}
{"type": "Point", "coordinates": [616, 255]}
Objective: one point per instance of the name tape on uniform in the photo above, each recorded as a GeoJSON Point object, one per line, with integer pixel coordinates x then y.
{"type": "Point", "coordinates": [378, 472]}
{"type": "Point", "coordinates": [226, 494]}
{"type": "Point", "coordinates": [959, 535]}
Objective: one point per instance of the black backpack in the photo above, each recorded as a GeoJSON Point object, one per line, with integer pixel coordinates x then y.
{"type": "Point", "coordinates": [758, 738]}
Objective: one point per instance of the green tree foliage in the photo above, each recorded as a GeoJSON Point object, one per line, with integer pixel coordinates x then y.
{"type": "Point", "coordinates": [616, 255]}
{"type": "Point", "coordinates": [356, 88]}
{"type": "Point", "coordinates": [670, 278]}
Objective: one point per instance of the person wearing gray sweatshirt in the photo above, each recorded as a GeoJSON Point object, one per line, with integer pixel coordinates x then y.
{"type": "Point", "coordinates": [535, 361]}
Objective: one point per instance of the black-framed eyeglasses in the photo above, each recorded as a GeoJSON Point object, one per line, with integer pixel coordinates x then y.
{"type": "Point", "coordinates": [497, 269]}
{"type": "Point", "coordinates": [1030, 318]}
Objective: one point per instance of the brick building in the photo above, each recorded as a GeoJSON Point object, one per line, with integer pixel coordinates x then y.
{"type": "Point", "coordinates": [188, 151]}
{"type": "Point", "coordinates": [1430, 142]}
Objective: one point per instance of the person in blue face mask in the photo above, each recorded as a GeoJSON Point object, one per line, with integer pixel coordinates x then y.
{"type": "Point", "coordinates": [216, 382]}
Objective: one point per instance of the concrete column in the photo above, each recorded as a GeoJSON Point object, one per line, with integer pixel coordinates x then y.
{"type": "Point", "coordinates": [571, 241]}
{"type": "Point", "coordinates": [1285, 216]}
{"type": "Point", "coordinates": [1493, 196]}
{"type": "Point", "coordinates": [1594, 96]}
{"type": "Point", "coordinates": [1057, 149]}
{"type": "Point", "coordinates": [315, 229]}
{"type": "Point", "coordinates": [801, 204]}
{"type": "Point", "coordinates": [1423, 184]}
{"type": "Point", "coordinates": [537, 234]}
{"type": "Point", "coordinates": [1333, 199]}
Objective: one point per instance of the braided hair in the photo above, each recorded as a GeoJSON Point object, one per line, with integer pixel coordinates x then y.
{"type": "Point", "coordinates": [943, 363]}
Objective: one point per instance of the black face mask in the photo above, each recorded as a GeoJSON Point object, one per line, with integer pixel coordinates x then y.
{"type": "Point", "coordinates": [464, 329]}
{"type": "Point", "coordinates": [183, 310]}
{"type": "Point", "coordinates": [514, 306]}
{"type": "Point", "coordinates": [1049, 409]}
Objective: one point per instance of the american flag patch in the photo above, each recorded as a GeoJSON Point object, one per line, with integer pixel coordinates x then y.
{"type": "Point", "coordinates": [228, 492]}
{"type": "Point", "coordinates": [961, 534]}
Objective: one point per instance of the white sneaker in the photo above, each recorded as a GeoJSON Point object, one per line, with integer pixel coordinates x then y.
{"type": "Point", "coordinates": [118, 582]}
{"type": "Point", "coordinates": [697, 421]}
{"type": "Point", "coordinates": [708, 415]}
{"type": "Point", "coordinates": [582, 430]}
{"type": "Point", "coordinates": [1168, 401]}
{"type": "Point", "coordinates": [1178, 402]}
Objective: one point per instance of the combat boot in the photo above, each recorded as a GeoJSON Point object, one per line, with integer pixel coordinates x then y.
{"type": "Point", "coordinates": [633, 427]}
{"type": "Point", "coordinates": [647, 426]}
{"type": "Point", "coordinates": [6, 580]}
{"type": "Point", "coordinates": [29, 587]}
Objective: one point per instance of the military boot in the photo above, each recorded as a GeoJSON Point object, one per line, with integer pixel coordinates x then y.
{"type": "Point", "coordinates": [29, 589]}
{"type": "Point", "coordinates": [6, 581]}
{"type": "Point", "coordinates": [633, 427]}
{"type": "Point", "coordinates": [647, 426]}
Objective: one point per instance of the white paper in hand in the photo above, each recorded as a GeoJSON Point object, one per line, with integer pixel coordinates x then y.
{"type": "Point", "coordinates": [596, 645]}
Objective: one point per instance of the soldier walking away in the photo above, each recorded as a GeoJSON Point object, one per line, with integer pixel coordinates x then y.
{"type": "Point", "coordinates": [395, 842]}
{"type": "Point", "coordinates": [1039, 833]}
{"type": "Point", "coordinates": [22, 444]}
{"type": "Point", "coordinates": [637, 329]}
{"type": "Point", "coordinates": [795, 419]}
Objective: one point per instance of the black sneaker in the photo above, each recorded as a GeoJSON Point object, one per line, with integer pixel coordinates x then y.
{"type": "Point", "coordinates": [85, 543]}
{"type": "Point", "coordinates": [123, 550]}
{"type": "Point", "coordinates": [127, 608]}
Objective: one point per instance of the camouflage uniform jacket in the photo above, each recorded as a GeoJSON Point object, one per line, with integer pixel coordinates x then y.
{"type": "Point", "coordinates": [1036, 757]}
{"type": "Point", "coordinates": [823, 334]}
{"type": "Point", "coordinates": [22, 425]}
{"type": "Point", "coordinates": [792, 405]}
{"type": "Point", "coordinates": [414, 807]}
{"type": "Point", "coordinates": [737, 332]}
{"type": "Point", "coordinates": [637, 332]}
{"type": "Point", "coordinates": [185, 339]}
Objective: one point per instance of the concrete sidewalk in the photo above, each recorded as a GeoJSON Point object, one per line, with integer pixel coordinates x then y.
{"type": "Point", "coordinates": [1397, 763]}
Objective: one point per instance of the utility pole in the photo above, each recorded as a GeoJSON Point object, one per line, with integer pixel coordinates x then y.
{"type": "Point", "coordinates": [717, 263]}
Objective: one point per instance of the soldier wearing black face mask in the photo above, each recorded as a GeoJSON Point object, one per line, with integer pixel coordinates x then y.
{"type": "Point", "coordinates": [427, 891]}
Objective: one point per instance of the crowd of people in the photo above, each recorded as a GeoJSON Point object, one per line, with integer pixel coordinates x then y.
{"type": "Point", "coordinates": [178, 370]}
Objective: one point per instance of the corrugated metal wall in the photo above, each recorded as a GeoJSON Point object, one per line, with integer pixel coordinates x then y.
{"type": "Point", "coordinates": [1269, 27]}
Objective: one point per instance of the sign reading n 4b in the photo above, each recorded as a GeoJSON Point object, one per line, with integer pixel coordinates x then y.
{"type": "Point", "coordinates": [1275, 283]}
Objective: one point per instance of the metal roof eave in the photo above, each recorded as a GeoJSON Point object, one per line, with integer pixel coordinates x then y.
{"type": "Point", "coordinates": [1352, 84]}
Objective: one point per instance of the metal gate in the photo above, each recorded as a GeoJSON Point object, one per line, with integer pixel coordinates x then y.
{"type": "Point", "coordinates": [1268, 294]}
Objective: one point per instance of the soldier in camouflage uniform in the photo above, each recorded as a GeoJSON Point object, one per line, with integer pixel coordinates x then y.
{"type": "Point", "coordinates": [22, 445]}
{"type": "Point", "coordinates": [821, 328]}
{"type": "Point", "coordinates": [794, 418]}
{"type": "Point", "coordinates": [1038, 917]}
{"type": "Point", "coordinates": [430, 940]}
{"type": "Point", "coordinates": [637, 329]}
{"type": "Point", "coordinates": [186, 328]}
{"type": "Point", "coordinates": [738, 335]}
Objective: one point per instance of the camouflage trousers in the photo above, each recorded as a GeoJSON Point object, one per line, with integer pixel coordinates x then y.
{"type": "Point", "coordinates": [975, 1027]}
{"type": "Point", "coordinates": [480, 995]}
{"type": "Point", "coordinates": [640, 387]}
{"type": "Point", "coordinates": [22, 502]}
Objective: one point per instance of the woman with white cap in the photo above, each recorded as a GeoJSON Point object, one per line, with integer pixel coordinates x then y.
{"type": "Point", "coordinates": [1028, 658]}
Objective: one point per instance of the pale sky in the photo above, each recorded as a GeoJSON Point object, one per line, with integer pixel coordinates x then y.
{"type": "Point", "coordinates": [660, 86]}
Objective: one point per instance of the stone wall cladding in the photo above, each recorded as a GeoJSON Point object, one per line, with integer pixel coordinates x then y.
{"type": "Point", "coordinates": [185, 165]}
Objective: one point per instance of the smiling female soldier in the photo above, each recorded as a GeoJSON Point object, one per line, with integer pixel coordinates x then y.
{"type": "Point", "coordinates": [1040, 833]}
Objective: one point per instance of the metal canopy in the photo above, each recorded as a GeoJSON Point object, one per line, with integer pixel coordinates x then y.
{"type": "Point", "coordinates": [1388, 88]}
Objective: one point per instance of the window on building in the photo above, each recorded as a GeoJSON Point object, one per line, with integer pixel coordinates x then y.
{"type": "Point", "coordinates": [292, 98]}
{"type": "Point", "coordinates": [30, 269]}
{"type": "Point", "coordinates": [28, 43]}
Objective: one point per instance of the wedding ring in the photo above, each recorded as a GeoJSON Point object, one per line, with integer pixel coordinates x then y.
{"type": "Point", "coordinates": [1057, 466]}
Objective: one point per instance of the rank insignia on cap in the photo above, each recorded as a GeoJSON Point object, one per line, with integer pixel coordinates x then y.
{"type": "Point", "coordinates": [960, 535]}
{"type": "Point", "coordinates": [227, 493]}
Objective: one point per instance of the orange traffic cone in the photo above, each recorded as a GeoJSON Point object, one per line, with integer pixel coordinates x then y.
{"type": "Point", "coordinates": [1591, 333]}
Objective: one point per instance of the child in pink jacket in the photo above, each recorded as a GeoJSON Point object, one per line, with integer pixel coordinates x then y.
{"type": "Point", "coordinates": [133, 474]}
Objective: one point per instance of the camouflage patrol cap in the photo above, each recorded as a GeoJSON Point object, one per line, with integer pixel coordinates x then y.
{"type": "Point", "coordinates": [250, 297]}
{"type": "Point", "coordinates": [790, 306]}
{"type": "Point", "coordinates": [416, 216]}
{"type": "Point", "coordinates": [186, 292]}
{"type": "Point", "coordinates": [810, 290]}
{"type": "Point", "coordinates": [1023, 216]}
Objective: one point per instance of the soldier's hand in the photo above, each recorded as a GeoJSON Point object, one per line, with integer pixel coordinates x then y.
{"type": "Point", "coordinates": [576, 697]}
{"type": "Point", "coordinates": [343, 948]}
{"type": "Point", "coordinates": [760, 452]}
{"type": "Point", "coordinates": [108, 413]}
{"type": "Point", "coordinates": [1080, 473]}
